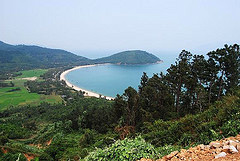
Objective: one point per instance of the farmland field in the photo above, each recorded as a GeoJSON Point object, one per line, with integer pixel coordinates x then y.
{"type": "Point", "coordinates": [32, 73]}
{"type": "Point", "coordinates": [19, 95]}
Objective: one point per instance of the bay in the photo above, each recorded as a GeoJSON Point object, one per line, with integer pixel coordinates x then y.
{"type": "Point", "coordinates": [110, 80]}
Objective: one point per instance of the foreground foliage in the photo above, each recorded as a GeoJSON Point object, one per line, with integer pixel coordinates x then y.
{"type": "Point", "coordinates": [221, 120]}
{"type": "Point", "coordinates": [127, 149]}
{"type": "Point", "coordinates": [197, 101]}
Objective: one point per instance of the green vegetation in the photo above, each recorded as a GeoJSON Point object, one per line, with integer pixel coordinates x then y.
{"type": "Point", "coordinates": [219, 121]}
{"type": "Point", "coordinates": [50, 85]}
{"type": "Point", "coordinates": [16, 97]}
{"type": "Point", "coordinates": [190, 86]}
{"type": "Point", "coordinates": [31, 73]}
{"type": "Point", "coordinates": [22, 57]}
{"type": "Point", "coordinates": [127, 149]}
{"type": "Point", "coordinates": [6, 84]}
{"type": "Point", "coordinates": [67, 126]}
{"type": "Point", "coordinates": [80, 126]}
{"type": "Point", "coordinates": [129, 57]}
{"type": "Point", "coordinates": [19, 95]}
{"type": "Point", "coordinates": [195, 102]}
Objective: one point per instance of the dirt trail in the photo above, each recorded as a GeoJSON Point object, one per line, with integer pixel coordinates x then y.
{"type": "Point", "coordinates": [29, 78]}
{"type": "Point", "coordinates": [49, 142]}
{"type": "Point", "coordinates": [4, 151]}
{"type": "Point", "coordinates": [29, 157]}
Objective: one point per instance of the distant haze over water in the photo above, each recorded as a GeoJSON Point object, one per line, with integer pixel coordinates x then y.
{"type": "Point", "coordinates": [111, 80]}
{"type": "Point", "coordinates": [99, 54]}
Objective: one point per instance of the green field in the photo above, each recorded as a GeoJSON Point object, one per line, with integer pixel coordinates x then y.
{"type": "Point", "coordinates": [32, 73]}
{"type": "Point", "coordinates": [23, 97]}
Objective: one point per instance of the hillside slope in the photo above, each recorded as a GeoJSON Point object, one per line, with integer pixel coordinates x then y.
{"type": "Point", "coordinates": [129, 57]}
{"type": "Point", "coordinates": [28, 57]}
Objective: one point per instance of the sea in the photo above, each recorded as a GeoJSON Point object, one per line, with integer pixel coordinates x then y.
{"type": "Point", "coordinates": [110, 80]}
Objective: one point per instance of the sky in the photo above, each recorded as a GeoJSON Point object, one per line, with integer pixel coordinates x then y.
{"type": "Point", "coordinates": [101, 27]}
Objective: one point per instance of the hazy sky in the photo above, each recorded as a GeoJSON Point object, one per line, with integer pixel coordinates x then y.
{"type": "Point", "coordinates": [114, 25]}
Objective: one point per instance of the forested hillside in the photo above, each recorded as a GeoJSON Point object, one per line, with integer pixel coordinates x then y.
{"type": "Point", "coordinates": [195, 102]}
{"type": "Point", "coordinates": [129, 57]}
{"type": "Point", "coordinates": [23, 57]}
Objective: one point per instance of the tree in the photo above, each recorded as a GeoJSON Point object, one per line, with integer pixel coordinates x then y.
{"type": "Point", "coordinates": [143, 83]}
{"type": "Point", "coordinates": [227, 61]}
{"type": "Point", "coordinates": [232, 66]}
{"type": "Point", "coordinates": [156, 100]}
{"type": "Point", "coordinates": [131, 109]}
{"type": "Point", "coordinates": [211, 71]}
{"type": "Point", "coordinates": [119, 105]}
{"type": "Point", "coordinates": [127, 106]}
{"type": "Point", "coordinates": [196, 82]}
{"type": "Point", "coordinates": [177, 75]}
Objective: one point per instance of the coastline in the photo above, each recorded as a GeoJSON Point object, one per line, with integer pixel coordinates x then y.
{"type": "Point", "coordinates": [87, 92]}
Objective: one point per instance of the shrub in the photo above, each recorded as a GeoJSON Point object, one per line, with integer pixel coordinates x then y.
{"type": "Point", "coordinates": [127, 149]}
{"type": "Point", "coordinates": [45, 156]}
{"type": "Point", "coordinates": [13, 156]}
{"type": "Point", "coordinates": [13, 131]}
{"type": "Point", "coordinates": [167, 149]}
{"type": "Point", "coordinates": [231, 127]}
{"type": "Point", "coordinates": [3, 140]}
{"type": "Point", "coordinates": [186, 139]}
{"type": "Point", "coordinates": [200, 128]}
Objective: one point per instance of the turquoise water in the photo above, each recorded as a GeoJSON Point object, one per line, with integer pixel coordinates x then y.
{"type": "Point", "coordinates": [110, 80]}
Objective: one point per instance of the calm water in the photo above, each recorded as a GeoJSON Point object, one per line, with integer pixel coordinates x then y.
{"type": "Point", "coordinates": [110, 80]}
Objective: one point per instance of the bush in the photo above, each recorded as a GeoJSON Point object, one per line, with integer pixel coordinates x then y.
{"type": "Point", "coordinates": [13, 131]}
{"type": "Point", "coordinates": [3, 140]}
{"type": "Point", "coordinates": [87, 138]}
{"type": "Point", "coordinates": [167, 149]}
{"type": "Point", "coordinates": [13, 156]}
{"type": "Point", "coordinates": [127, 149]}
{"type": "Point", "coordinates": [231, 127]}
{"type": "Point", "coordinates": [45, 156]}
{"type": "Point", "coordinates": [186, 139]}
{"type": "Point", "coordinates": [221, 118]}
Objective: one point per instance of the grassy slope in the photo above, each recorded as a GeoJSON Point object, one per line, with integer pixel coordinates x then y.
{"type": "Point", "coordinates": [23, 97]}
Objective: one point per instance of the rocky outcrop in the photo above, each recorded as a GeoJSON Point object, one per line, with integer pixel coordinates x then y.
{"type": "Point", "coordinates": [223, 150]}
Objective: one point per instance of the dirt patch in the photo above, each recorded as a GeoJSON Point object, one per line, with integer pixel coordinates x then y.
{"type": "Point", "coordinates": [29, 78]}
{"type": "Point", "coordinates": [39, 146]}
{"type": "Point", "coordinates": [29, 157]}
{"type": "Point", "coordinates": [224, 150]}
{"type": "Point", "coordinates": [49, 142]}
{"type": "Point", "coordinates": [4, 151]}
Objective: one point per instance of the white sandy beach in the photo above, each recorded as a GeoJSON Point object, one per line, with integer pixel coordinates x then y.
{"type": "Point", "coordinates": [87, 93]}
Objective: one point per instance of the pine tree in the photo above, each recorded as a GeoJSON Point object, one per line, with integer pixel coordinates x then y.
{"type": "Point", "coordinates": [143, 83]}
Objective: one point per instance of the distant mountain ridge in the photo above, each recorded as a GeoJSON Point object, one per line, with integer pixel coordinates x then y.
{"type": "Point", "coordinates": [129, 57]}
{"type": "Point", "coordinates": [24, 57]}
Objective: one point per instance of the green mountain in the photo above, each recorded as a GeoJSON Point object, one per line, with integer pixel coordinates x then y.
{"type": "Point", "coordinates": [18, 57]}
{"type": "Point", "coordinates": [129, 57]}
{"type": "Point", "coordinates": [24, 57]}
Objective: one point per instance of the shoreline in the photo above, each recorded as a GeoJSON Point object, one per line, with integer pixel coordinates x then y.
{"type": "Point", "coordinates": [87, 92]}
